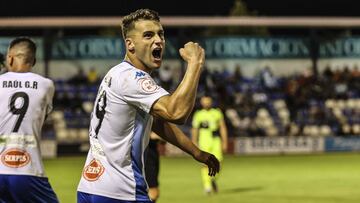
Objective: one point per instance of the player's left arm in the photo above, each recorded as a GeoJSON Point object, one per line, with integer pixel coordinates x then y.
{"type": "Point", "coordinates": [222, 129]}
{"type": "Point", "coordinates": [223, 134]}
{"type": "Point", "coordinates": [195, 129]}
{"type": "Point", "coordinates": [175, 136]}
{"type": "Point", "coordinates": [50, 97]}
{"type": "Point", "coordinates": [154, 136]}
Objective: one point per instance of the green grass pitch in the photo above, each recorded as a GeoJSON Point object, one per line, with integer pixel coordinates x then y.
{"type": "Point", "coordinates": [326, 178]}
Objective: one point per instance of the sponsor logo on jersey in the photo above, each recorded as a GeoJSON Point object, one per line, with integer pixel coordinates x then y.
{"type": "Point", "coordinates": [15, 158]}
{"type": "Point", "coordinates": [148, 85]}
{"type": "Point", "coordinates": [139, 74]}
{"type": "Point", "coordinates": [93, 170]}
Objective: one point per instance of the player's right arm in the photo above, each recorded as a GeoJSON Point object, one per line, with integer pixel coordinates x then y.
{"type": "Point", "coordinates": [194, 135]}
{"type": "Point", "coordinates": [172, 134]}
{"type": "Point", "coordinates": [177, 107]}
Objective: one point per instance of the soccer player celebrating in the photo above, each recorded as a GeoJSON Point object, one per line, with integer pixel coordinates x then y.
{"type": "Point", "coordinates": [210, 133]}
{"type": "Point", "coordinates": [26, 99]}
{"type": "Point", "coordinates": [130, 105]}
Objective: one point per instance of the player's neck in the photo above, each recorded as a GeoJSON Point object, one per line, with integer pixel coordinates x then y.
{"type": "Point", "coordinates": [136, 63]}
{"type": "Point", "coordinates": [19, 69]}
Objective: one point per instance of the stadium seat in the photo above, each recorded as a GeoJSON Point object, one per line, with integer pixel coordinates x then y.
{"type": "Point", "coordinates": [279, 104]}
{"type": "Point", "coordinates": [356, 129]}
{"type": "Point", "coordinates": [340, 103]}
{"type": "Point", "coordinates": [272, 131]}
{"type": "Point", "coordinates": [88, 106]}
{"type": "Point", "coordinates": [83, 135]}
{"type": "Point", "coordinates": [350, 104]}
{"type": "Point", "coordinates": [263, 113]}
{"type": "Point", "coordinates": [325, 130]}
{"type": "Point", "coordinates": [57, 115]}
{"type": "Point", "coordinates": [314, 130]}
{"type": "Point", "coordinates": [61, 135]}
{"type": "Point", "coordinates": [330, 103]}
{"type": "Point", "coordinates": [233, 117]}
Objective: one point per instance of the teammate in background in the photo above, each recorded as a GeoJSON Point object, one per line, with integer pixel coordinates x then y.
{"type": "Point", "coordinates": [152, 166]}
{"type": "Point", "coordinates": [130, 105]}
{"type": "Point", "coordinates": [26, 99]}
{"type": "Point", "coordinates": [210, 133]}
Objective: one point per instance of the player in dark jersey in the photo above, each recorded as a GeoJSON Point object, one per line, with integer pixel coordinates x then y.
{"type": "Point", "coordinates": [152, 166]}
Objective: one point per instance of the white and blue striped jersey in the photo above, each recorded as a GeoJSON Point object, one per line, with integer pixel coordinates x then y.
{"type": "Point", "coordinates": [26, 99]}
{"type": "Point", "coordinates": [119, 133]}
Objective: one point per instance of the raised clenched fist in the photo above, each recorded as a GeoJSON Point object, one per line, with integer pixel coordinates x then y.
{"type": "Point", "coordinates": [193, 53]}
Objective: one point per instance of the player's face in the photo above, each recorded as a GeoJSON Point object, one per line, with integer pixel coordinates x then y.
{"type": "Point", "coordinates": [148, 43]}
{"type": "Point", "coordinates": [206, 102]}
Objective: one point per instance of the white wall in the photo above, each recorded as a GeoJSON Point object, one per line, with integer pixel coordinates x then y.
{"type": "Point", "coordinates": [280, 67]}
{"type": "Point", "coordinates": [338, 63]}
{"type": "Point", "coordinates": [63, 69]}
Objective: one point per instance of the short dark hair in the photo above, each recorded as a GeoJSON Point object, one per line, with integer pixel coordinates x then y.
{"type": "Point", "coordinates": [29, 45]}
{"type": "Point", "coordinates": [140, 14]}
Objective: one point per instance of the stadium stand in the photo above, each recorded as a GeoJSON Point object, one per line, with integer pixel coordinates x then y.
{"type": "Point", "coordinates": [263, 105]}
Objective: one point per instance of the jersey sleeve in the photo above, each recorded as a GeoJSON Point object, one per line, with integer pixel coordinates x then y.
{"type": "Point", "coordinates": [219, 114]}
{"type": "Point", "coordinates": [195, 120]}
{"type": "Point", "coordinates": [142, 92]}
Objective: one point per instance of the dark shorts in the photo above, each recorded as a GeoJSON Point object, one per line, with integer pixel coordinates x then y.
{"type": "Point", "coordinates": [152, 164]}
{"type": "Point", "coordinates": [24, 188]}
{"type": "Point", "coordinates": [83, 197]}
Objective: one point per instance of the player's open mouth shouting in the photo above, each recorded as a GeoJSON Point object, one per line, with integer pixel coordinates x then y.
{"type": "Point", "coordinates": [157, 54]}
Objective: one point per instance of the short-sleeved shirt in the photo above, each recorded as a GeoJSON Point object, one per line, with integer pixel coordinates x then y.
{"type": "Point", "coordinates": [208, 124]}
{"type": "Point", "coordinates": [119, 133]}
{"type": "Point", "coordinates": [26, 99]}
{"type": "Point", "coordinates": [207, 121]}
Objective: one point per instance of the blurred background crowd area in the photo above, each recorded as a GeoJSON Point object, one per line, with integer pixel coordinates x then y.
{"type": "Point", "coordinates": [269, 81]}
{"type": "Point", "coordinates": [263, 105]}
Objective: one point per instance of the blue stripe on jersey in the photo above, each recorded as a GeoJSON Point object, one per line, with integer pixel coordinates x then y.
{"type": "Point", "coordinates": [141, 120]}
